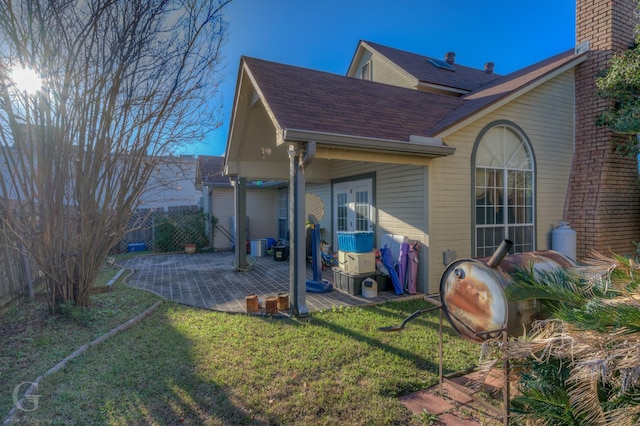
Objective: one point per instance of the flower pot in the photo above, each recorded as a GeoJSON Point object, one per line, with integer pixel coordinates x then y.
{"type": "Point", "coordinates": [189, 248]}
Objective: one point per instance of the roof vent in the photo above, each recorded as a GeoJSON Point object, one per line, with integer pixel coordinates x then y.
{"type": "Point", "coordinates": [450, 57]}
{"type": "Point", "coordinates": [439, 63]}
{"type": "Point", "coordinates": [488, 67]}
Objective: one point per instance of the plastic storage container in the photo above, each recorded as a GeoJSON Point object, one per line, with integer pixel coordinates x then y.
{"type": "Point", "coordinates": [258, 248]}
{"type": "Point", "coordinates": [351, 283]}
{"type": "Point", "coordinates": [140, 246]}
{"type": "Point", "coordinates": [356, 241]}
{"type": "Point", "coordinates": [280, 251]}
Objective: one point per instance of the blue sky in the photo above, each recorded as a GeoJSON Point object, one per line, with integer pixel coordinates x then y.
{"type": "Point", "coordinates": [323, 35]}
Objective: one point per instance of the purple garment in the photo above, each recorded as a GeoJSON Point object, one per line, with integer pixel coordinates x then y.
{"type": "Point", "coordinates": [412, 266]}
{"type": "Point", "coordinates": [403, 264]}
{"type": "Point", "coordinates": [387, 260]}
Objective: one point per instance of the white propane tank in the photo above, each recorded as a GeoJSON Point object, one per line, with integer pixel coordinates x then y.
{"type": "Point", "coordinates": [563, 240]}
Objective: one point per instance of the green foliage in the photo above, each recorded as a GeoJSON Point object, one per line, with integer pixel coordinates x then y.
{"type": "Point", "coordinates": [620, 84]}
{"type": "Point", "coordinates": [543, 394]}
{"type": "Point", "coordinates": [174, 230]}
{"type": "Point", "coordinates": [164, 237]}
{"type": "Point", "coordinates": [427, 418]}
{"type": "Point", "coordinates": [70, 311]}
{"type": "Point", "coordinates": [583, 369]}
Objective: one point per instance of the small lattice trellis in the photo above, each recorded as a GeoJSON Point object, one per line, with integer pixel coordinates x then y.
{"type": "Point", "coordinates": [172, 231]}
{"type": "Point", "coordinates": [163, 231]}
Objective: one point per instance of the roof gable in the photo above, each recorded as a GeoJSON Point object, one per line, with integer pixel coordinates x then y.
{"type": "Point", "coordinates": [461, 78]}
{"type": "Point", "coordinates": [301, 98]}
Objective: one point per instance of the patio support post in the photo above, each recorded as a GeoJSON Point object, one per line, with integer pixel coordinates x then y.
{"type": "Point", "coordinates": [297, 249]}
{"type": "Point", "coordinates": [241, 223]}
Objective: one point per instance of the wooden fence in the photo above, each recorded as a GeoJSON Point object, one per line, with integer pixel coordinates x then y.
{"type": "Point", "coordinates": [13, 271]}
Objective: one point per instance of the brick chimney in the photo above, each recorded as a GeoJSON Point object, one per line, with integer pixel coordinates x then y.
{"type": "Point", "coordinates": [603, 200]}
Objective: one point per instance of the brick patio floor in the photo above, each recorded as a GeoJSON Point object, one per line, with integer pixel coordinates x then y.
{"type": "Point", "coordinates": [209, 280]}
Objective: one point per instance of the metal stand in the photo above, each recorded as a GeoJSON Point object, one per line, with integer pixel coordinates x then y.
{"type": "Point", "coordinates": [503, 413]}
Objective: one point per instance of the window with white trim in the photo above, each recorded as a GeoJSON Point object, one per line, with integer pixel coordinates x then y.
{"type": "Point", "coordinates": [504, 190]}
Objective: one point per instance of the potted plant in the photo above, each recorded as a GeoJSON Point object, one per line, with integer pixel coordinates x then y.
{"type": "Point", "coordinates": [189, 248]}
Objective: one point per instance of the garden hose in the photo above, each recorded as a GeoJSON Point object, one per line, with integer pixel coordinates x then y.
{"type": "Point", "coordinates": [250, 260]}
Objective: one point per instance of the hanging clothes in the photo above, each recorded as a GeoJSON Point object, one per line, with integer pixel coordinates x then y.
{"type": "Point", "coordinates": [412, 267]}
{"type": "Point", "coordinates": [403, 263]}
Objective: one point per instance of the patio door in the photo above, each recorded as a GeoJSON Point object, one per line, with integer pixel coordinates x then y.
{"type": "Point", "coordinates": [353, 205]}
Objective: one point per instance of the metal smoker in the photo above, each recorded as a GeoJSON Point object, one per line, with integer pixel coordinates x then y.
{"type": "Point", "coordinates": [473, 301]}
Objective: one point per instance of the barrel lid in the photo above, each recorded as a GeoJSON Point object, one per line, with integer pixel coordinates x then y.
{"type": "Point", "coordinates": [473, 300]}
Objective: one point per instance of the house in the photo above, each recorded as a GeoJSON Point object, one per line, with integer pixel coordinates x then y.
{"type": "Point", "coordinates": [171, 184]}
{"type": "Point", "coordinates": [453, 157]}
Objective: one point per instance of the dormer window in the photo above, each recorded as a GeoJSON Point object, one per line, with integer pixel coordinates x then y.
{"type": "Point", "coordinates": [366, 71]}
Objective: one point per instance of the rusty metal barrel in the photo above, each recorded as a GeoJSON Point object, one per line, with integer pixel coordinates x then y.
{"type": "Point", "coordinates": [473, 298]}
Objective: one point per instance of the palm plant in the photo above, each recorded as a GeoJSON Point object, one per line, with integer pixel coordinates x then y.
{"type": "Point", "coordinates": [580, 366]}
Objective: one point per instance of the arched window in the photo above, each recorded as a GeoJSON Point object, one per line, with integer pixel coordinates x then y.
{"type": "Point", "coordinates": [503, 189]}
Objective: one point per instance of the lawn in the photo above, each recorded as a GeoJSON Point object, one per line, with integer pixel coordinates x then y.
{"type": "Point", "coordinates": [184, 365]}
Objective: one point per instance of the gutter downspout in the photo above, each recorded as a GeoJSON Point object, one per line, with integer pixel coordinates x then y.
{"type": "Point", "coordinates": [300, 156]}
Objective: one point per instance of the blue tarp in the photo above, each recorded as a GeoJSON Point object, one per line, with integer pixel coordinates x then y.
{"type": "Point", "coordinates": [387, 261]}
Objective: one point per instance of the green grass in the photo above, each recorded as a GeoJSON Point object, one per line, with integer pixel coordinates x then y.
{"type": "Point", "coordinates": [184, 365]}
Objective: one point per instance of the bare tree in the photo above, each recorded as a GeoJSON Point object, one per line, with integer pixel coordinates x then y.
{"type": "Point", "coordinates": [124, 83]}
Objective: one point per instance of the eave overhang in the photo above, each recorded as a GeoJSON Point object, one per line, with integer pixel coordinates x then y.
{"type": "Point", "coordinates": [416, 146]}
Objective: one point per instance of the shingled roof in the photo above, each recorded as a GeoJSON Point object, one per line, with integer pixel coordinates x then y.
{"type": "Point", "coordinates": [300, 98]}
{"type": "Point", "coordinates": [506, 86]}
{"type": "Point", "coordinates": [314, 101]}
{"type": "Point", "coordinates": [463, 78]}
{"type": "Point", "coordinates": [211, 170]}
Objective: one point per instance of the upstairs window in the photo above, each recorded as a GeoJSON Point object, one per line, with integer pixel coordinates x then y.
{"type": "Point", "coordinates": [504, 190]}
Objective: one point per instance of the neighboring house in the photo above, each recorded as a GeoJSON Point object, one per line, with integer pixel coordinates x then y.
{"type": "Point", "coordinates": [172, 184]}
{"type": "Point", "coordinates": [263, 209]}
{"type": "Point", "coordinates": [454, 157]}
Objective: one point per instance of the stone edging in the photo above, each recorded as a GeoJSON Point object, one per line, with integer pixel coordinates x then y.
{"type": "Point", "coordinates": [34, 385]}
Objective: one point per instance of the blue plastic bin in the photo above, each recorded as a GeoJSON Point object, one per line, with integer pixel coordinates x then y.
{"type": "Point", "coordinates": [136, 247]}
{"type": "Point", "coordinates": [355, 241]}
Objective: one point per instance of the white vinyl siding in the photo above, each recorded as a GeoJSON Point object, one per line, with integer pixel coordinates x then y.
{"type": "Point", "coordinates": [384, 71]}
{"type": "Point", "coordinates": [546, 116]}
{"type": "Point", "coordinates": [261, 210]}
{"type": "Point", "coordinates": [222, 208]}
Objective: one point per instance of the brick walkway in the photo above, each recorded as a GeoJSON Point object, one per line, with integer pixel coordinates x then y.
{"type": "Point", "coordinates": [209, 280]}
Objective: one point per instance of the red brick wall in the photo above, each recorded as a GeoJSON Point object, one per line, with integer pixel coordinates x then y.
{"type": "Point", "coordinates": [603, 202]}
